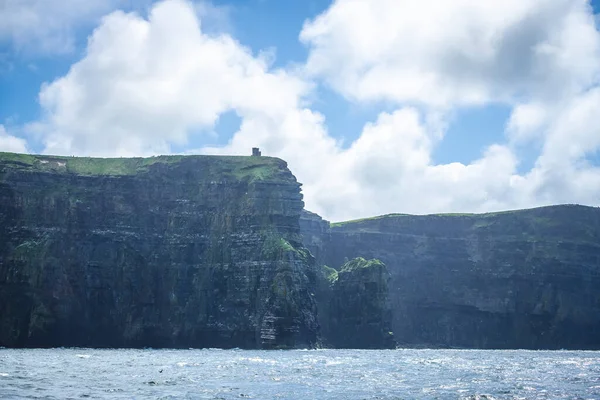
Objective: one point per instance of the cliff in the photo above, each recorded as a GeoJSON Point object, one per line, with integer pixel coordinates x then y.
{"type": "Point", "coordinates": [517, 279]}
{"type": "Point", "coordinates": [354, 311]}
{"type": "Point", "coordinates": [206, 251]}
{"type": "Point", "coordinates": [195, 251]}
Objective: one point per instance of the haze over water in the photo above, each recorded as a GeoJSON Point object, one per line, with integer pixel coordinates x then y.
{"type": "Point", "coordinates": [323, 374]}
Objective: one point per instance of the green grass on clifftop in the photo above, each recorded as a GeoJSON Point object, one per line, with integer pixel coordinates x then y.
{"type": "Point", "coordinates": [353, 221]}
{"type": "Point", "coordinates": [236, 167]}
{"type": "Point", "coordinates": [457, 215]}
{"type": "Point", "coordinates": [567, 223]}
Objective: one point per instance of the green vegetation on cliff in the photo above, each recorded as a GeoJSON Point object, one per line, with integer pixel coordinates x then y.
{"type": "Point", "coordinates": [360, 263]}
{"type": "Point", "coordinates": [353, 221]}
{"type": "Point", "coordinates": [529, 214]}
{"type": "Point", "coordinates": [567, 223]}
{"type": "Point", "coordinates": [330, 274]}
{"type": "Point", "coordinates": [276, 247]}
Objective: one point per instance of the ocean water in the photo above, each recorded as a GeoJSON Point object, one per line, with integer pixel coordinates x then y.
{"type": "Point", "coordinates": [309, 374]}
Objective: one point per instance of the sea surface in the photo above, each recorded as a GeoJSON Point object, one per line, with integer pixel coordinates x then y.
{"type": "Point", "coordinates": [309, 374]}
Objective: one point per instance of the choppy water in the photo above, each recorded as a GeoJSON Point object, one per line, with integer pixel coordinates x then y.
{"type": "Point", "coordinates": [316, 374]}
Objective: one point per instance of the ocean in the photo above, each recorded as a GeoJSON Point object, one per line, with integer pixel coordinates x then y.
{"type": "Point", "coordinates": [78, 373]}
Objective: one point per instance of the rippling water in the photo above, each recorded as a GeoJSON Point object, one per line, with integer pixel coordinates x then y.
{"type": "Point", "coordinates": [310, 374]}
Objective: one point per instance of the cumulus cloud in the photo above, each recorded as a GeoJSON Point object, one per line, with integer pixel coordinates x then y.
{"type": "Point", "coordinates": [526, 121]}
{"type": "Point", "coordinates": [389, 169]}
{"type": "Point", "coordinates": [574, 131]}
{"type": "Point", "coordinates": [542, 58]}
{"type": "Point", "coordinates": [146, 83]}
{"type": "Point", "coordinates": [444, 53]}
{"type": "Point", "coordinates": [11, 143]}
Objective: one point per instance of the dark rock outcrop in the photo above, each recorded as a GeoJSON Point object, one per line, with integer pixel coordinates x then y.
{"type": "Point", "coordinates": [194, 251]}
{"type": "Point", "coordinates": [518, 279]}
{"type": "Point", "coordinates": [354, 310]}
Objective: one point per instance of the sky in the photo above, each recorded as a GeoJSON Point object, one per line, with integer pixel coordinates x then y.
{"type": "Point", "coordinates": [378, 106]}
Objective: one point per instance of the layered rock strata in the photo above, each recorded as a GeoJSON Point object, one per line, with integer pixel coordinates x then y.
{"type": "Point", "coordinates": [195, 251]}
{"type": "Point", "coordinates": [206, 251]}
{"type": "Point", "coordinates": [517, 279]}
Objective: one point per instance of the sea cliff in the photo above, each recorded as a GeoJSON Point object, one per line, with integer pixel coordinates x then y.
{"type": "Point", "coordinates": [517, 279]}
{"type": "Point", "coordinates": [215, 251]}
{"type": "Point", "coordinates": [195, 251]}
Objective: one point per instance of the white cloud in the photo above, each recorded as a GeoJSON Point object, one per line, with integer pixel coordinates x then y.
{"type": "Point", "coordinates": [526, 121]}
{"type": "Point", "coordinates": [145, 83]}
{"type": "Point", "coordinates": [390, 169]}
{"type": "Point", "coordinates": [542, 57]}
{"type": "Point", "coordinates": [11, 144]}
{"type": "Point", "coordinates": [574, 131]}
{"type": "Point", "coordinates": [47, 26]}
{"type": "Point", "coordinates": [569, 136]}
{"type": "Point", "coordinates": [445, 53]}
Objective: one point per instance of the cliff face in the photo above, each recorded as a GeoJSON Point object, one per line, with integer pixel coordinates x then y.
{"type": "Point", "coordinates": [204, 251]}
{"type": "Point", "coordinates": [522, 279]}
{"type": "Point", "coordinates": [195, 251]}
{"type": "Point", "coordinates": [315, 235]}
{"type": "Point", "coordinates": [354, 310]}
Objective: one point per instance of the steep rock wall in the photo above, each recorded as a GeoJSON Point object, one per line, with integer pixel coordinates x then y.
{"type": "Point", "coordinates": [315, 235]}
{"type": "Point", "coordinates": [195, 251]}
{"type": "Point", "coordinates": [520, 279]}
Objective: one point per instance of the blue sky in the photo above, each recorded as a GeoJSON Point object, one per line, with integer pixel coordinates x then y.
{"type": "Point", "coordinates": [338, 81]}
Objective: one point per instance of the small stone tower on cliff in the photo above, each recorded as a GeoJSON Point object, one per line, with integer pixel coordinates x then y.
{"type": "Point", "coordinates": [256, 152]}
